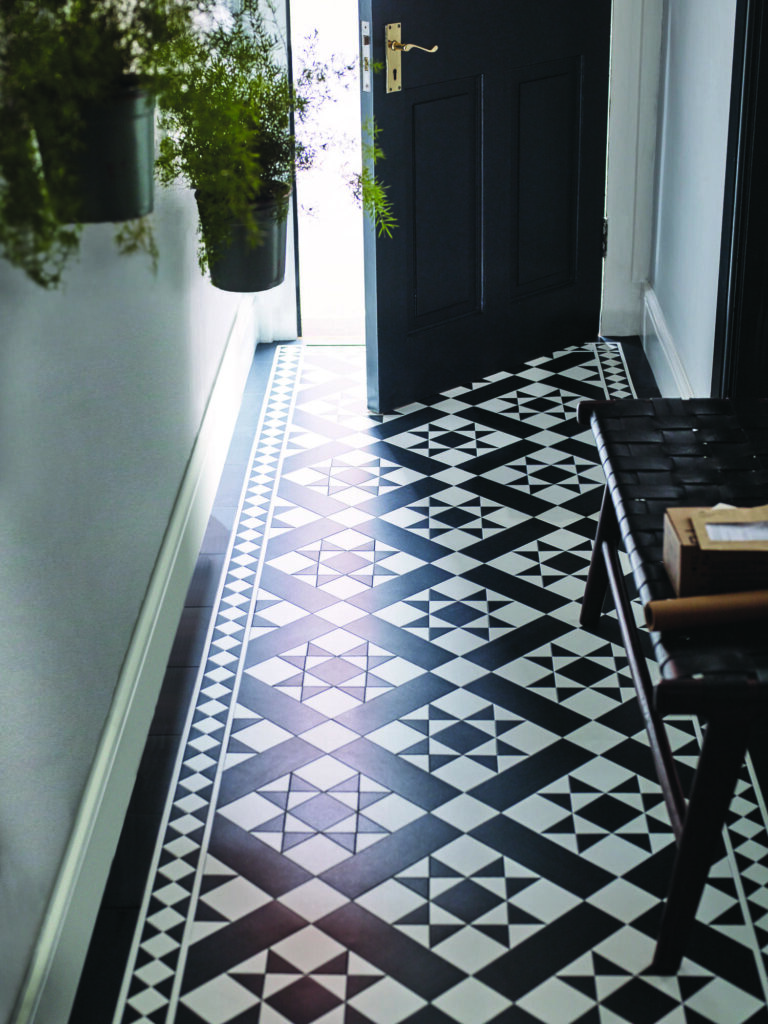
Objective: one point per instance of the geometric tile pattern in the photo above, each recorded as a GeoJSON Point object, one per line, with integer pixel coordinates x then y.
{"type": "Point", "coordinates": [413, 790]}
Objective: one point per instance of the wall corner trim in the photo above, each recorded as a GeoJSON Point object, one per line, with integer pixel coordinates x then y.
{"type": "Point", "coordinates": [53, 975]}
{"type": "Point", "coordinates": [661, 351]}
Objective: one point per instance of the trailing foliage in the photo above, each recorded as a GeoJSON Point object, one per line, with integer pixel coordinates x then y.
{"type": "Point", "coordinates": [236, 128]}
{"type": "Point", "coordinates": [229, 109]}
{"type": "Point", "coordinates": [57, 57]}
{"type": "Point", "coordinates": [370, 192]}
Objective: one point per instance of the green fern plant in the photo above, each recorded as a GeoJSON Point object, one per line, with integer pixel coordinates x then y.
{"type": "Point", "coordinates": [236, 128]}
{"type": "Point", "coordinates": [56, 58]}
{"type": "Point", "coordinates": [367, 188]}
{"type": "Point", "coordinates": [227, 121]}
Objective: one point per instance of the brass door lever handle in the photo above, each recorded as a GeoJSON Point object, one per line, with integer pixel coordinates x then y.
{"type": "Point", "coordinates": [405, 47]}
{"type": "Point", "coordinates": [394, 51]}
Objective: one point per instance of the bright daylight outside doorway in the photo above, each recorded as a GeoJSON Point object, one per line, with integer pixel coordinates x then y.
{"type": "Point", "coordinates": [330, 221]}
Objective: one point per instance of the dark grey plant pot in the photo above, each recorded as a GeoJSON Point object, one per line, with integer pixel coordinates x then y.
{"type": "Point", "coordinates": [114, 169]}
{"type": "Point", "coordinates": [240, 267]}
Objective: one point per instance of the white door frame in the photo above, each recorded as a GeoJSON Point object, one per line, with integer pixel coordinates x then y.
{"type": "Point", "coordinates": [632, 120]}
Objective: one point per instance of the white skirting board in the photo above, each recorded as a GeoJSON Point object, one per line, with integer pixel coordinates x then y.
{"type": "Point", "coordinates": [661, 351]}
{"type": "Point", "coordinates": [51, 983]}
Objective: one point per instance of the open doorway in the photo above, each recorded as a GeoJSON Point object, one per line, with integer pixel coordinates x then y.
{"type": "Point", "coordinates": [330, 221]}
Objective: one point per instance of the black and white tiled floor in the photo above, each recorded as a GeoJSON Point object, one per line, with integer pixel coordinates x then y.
{"type": "Point", "coordinates": [410, 789]}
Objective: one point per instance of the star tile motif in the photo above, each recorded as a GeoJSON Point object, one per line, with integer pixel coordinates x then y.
{"type": "Point", "coordinates": [412, 790]}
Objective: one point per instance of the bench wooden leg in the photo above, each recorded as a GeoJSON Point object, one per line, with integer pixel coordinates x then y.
{"type": "Point", "coordinates": [722, 755]}
{"type": "Point", "coordinates": [597, 578]}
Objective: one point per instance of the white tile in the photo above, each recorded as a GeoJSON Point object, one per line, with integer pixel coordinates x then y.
{"type": "Point", "coordinates": [340, 613]}
{"type": "Point", "coordinates": [236, 898]}
{"type": "Point", "coordinates": [272, 671]}
{"type": "Point", "coordinates": [262, 736]}
{"type": "Point", "coordinates": [291, 563]}
{"type": "Point", "coordinates": [596, 737]}
{"type": "Point", "coordinates": [461, 704]}
{"type": "Point", "coordinates": [463, 773]}
{"type": "Point", "coordinates": [390, 900]}
{"type": "Point", "coordinates": [219, 1000]}
{"type": "Point", "coordinates": [313, 900]}
{"type": "Point", "coordinates": [537, 813]}
{"type": "Point", "coordinates": [146, 1001]}
{"type": "Point", "coordinates": [153, 973]}
{"type": "Point", "coordinates": [317, 854]}
{"type": "Point", "coordinates": [308, 949]}
{"type": "Point", "coordinates": [629, 949]}
{"type": "Point", "coordinates": [721, 1001]}
{"type": "Point", "coordinates": [400, 563]}
{"type": "Point", "coordinates": [625, 901]}
{"type": "Point", "coordinates": [393, 812]}
{"type": "Point", "coordinates": [350, 517]}
{"type": "Point", "coordinates": [556, 1003]}
{"type": "Point", "coordinates": [249, 811]}
{"type": "Point", "coordinates": [546, 901]}
{"type": "Point", "coordinates": [458, 642]}
{"type": "Point", "coordinates": [530, 738]}
{"type": "Point", "coordinates": [329, 736]}
{"type": "Point", "coordinates": [325, 772]}
{"type": "Point", "coordinates": [331, 702]}
{"type": "Point", "coordinates": [466, 855]}
{"type": "Point", "coordinates": [464, 812]}
{"type": "Point", "coordinates": [395, 736]}
{"type": "Point", "coordinates": [344, 587]}
{"type": "Point", "coordinates": [470, 950]}
{"type": "Point", "coordinates": [387, 1002]}
{"type": "Point", "coordinates": [471, 1002]}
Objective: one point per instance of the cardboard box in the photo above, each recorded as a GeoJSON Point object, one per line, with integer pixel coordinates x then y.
{"type": "Point", "coordinates": [700, 561]}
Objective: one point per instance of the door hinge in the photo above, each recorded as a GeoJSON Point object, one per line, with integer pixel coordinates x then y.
{"type": "Point", "coordinates": [605, 237]}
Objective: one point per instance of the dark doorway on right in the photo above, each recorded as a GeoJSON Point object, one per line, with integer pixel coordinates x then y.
{"type": "Point", "coordinates": [740, 365]}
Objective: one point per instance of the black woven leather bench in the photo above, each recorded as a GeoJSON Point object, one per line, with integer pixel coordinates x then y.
{"type": "Point", "coordinates": [656, 454]}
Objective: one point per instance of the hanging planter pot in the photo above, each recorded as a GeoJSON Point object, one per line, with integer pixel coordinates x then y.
{"type": "Point", "coordinates": [116, 164]}
{"type": "Point", "coordinates": [234, 263]}
{"type": "Point", "coordinates": [108, 175]}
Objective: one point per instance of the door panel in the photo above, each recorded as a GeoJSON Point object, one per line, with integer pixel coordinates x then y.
{"type": "Point", "coordinates": [495, 165]}
{"type": "Point", "coordinates": [446, 264]}
{"type": "Point", "coordinates": [547, 156]}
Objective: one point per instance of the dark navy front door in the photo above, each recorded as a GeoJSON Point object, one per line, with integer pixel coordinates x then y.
{"type": "Point", "coordinates": [495, 165]}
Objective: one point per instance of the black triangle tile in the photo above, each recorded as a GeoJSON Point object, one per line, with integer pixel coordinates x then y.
{"type": "Point", "coordinates": [418, 885]}
{"type": "Point", "coordinates": [253, 982]}
{"type": "Point", "coordinates": [353, 1016]}
{"type": "Point", "coordinates": [733, 916]}
{"type": "Point", "coordinates": [586, 984]}
{"type": "Point", "coordinates": [605, 967]}
{"type": "Point", "coordinates": [592, 1016]}
{"type": "Point", "coordinates": [691, 984]}
{"type": "Point", "coordinates": [357, 983]}
{"type": "Point", "coordinates": [439, 870]}
{"type": "Point", "coordinates": [440, 932]}
{"type": "Point", "coordinates": [418, 916]}
{"type": "Point", "coordinates": [584, 842]}
{"type": "Point", "coordinates": [337, 965]}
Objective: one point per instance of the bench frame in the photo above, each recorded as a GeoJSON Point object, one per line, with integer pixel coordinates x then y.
{"type": "Point", "coordinates": [697, 822]}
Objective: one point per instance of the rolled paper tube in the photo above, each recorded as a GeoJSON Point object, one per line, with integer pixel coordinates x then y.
{"type": "Point", "coordinates": [707, 610]}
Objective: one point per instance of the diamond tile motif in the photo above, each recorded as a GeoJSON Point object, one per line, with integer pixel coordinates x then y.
{"type": "Point", "coordinates": [412, 789]}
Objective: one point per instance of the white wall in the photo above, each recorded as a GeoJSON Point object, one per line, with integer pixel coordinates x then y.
{"type": "Point", "coordinates": [104, 386]}
{"type": "Point", "coordinates": [680, 304]}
